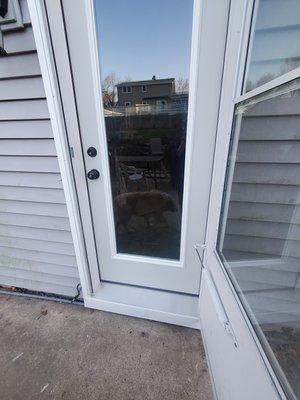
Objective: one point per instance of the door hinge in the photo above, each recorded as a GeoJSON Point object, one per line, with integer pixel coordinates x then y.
{"type": "Point", "coordinates": [71, 152]}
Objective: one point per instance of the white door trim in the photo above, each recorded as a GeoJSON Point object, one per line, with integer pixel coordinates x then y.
{"type": "Point", "coordinates": [183, 309]}
{"type": "Point", "coordinates": [47, 65]}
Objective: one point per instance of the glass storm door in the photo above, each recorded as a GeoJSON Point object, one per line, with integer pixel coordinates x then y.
{"type": "Point", "coordinates": [250, 295]}
{"type": "Point", "coordinates": [147, 168]}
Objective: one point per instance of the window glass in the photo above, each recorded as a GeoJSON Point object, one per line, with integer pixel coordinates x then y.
{"type": "Point", "coordinates": [274, 48]}
{"type": "Point", "coordinates": [259, 234]}
{"type": "Point", "coordinates": [144, 55]}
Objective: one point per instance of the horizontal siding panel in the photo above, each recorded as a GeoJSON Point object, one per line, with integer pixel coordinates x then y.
{"type": "Point", "coordinates": [27, 147]}
{"type": "Point", "coordinates": [30, 179]}
{"type": "Point", "coordinates": [269, 152]}
{"type": "Point", "coordinates": [271, 128]}
{"type": "Point", "coordinates": [247, 286]}
{"type": "Point", "coordinates": [29, 164]}
{"type": "Point", "coordinates": [20, 41]}
{"type": "Point", "coordinates": [19, 66]}
{"type": "Point", "coordinates": [275, 107]}
{"type": "Point", "coordinates": [255, 274]}
{"type": "Point", "coordinates": [240, 256]}
{"type": "Point", "coordinates": [29, 88]}
{"type": "Point", "coordinates": [263, 212]}
{"type": "Point", "coordinates": [38, 234]}
{"type": "Point", "coordinates": [281, 174]}
{"type": "Point", "coordinates": [262, 229]}
{"type": "Point", "coordinates": [262, 245]}
{"type": "Point", "coordinates": [276, 317]}
{"type": "Point", "coordinates": [37, 285]}
{"type": "Point", "coordinates": [260, 193]}
{"type": "Point", "coordinates": [26, 129]}
{"type": "Point", "coordinates": [265, 50]}
{"type": "Point", "coordinates": [32, 194]}
{"type": "Point", "coordinates": [37, 256]}
{"type": "Point", "coordinates": [24, 109]}
{"type": "Point", "coordinates": [19, 271]}
{"type": "Point", "coordinates": [35, 221]}
{"type": "Point", "coordinates": [38, 245]}
{"type": "Point", "coordinates": [273, 262]}
{"type": "Point", "coordinates": [290, 295]}
{"type": "Point", "coordinates": [276, 14]}
{"type": "Point", "coordinates": [266, 303]}
{"type": "Point", "coordinates": [34, 208]}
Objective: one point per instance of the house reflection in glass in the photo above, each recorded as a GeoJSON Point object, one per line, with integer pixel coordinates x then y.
{"type": "Point", "coordinates": [146, 120]}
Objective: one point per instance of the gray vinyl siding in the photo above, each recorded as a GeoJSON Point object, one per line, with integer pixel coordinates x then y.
{"type": "Point", "coordinates": [36, 247]}
{"type": "Point", "coordinates": [265, 193]}
{"type": "Point", "coordinates": [263, 228]}
{"type": "Point", "coordinates": [263, 213]}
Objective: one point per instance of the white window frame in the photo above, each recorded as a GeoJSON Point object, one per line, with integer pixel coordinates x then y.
{"type": "Point", "coordinates": [126, 89]}
{"type": "Point", "coordinates": [13, 20]}
{"type": "Point", "coordinates": [144, 88]}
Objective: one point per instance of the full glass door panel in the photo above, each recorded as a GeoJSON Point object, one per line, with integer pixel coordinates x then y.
{"type": "Point", "coordinates": [144, 51]}
{"type": "Point", "coordinates": [259, 232]}
{"type": "Point", "coordinates": [259, 239]}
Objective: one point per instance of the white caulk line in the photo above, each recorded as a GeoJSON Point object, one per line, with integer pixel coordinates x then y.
{"type": "Point", "coordinates": [18, 356]}
{"type": "Point", "coordinates": [44, 388]}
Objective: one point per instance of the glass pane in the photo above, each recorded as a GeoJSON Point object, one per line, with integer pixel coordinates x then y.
{"type": "Point", "coordinates": [259, 240]}
{"type": "Point", "coordinates": [275, 47]}
{"type": "Point", "coordinates": [144, 51]}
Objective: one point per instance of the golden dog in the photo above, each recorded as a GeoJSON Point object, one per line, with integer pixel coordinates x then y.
{"type": "Point", "coordinates": [148, 205]}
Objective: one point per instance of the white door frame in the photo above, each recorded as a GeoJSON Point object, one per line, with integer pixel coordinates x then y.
{"type": "Point", "coordinates": [158, 305]}
{"type": "Point", "coordinates": [232, 313]}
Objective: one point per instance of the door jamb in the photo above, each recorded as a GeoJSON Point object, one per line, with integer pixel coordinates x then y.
{"type": "Point", "coordinates": [48, 70]}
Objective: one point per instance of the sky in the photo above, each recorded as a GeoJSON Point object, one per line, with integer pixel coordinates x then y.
{"type": "Point", "coordinates": [142, 38]}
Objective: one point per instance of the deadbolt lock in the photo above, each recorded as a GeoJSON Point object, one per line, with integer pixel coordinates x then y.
{"type": "Point", "coordinates": [92, 152]}
{"type": "Point", "coordinates": [93, 174]}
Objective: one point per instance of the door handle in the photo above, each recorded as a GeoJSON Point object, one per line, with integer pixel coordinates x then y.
{"type": "Point", "coordinates": [93, 174]}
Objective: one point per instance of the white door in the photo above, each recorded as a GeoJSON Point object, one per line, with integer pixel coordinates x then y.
{"type": "Point", "coordinates": [147, 170]}
{"type": "Point", "coordinates": [250, 291]}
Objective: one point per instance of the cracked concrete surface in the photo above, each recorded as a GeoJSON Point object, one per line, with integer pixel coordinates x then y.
{"type": "Point", "coordinates": [60, 351]}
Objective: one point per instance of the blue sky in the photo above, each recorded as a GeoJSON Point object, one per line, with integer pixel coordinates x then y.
{"type": "Point", "coordinates": [141, 38]}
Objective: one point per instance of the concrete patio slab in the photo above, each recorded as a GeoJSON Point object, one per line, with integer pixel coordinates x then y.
{"type": "Point", "coordinates": [55, 351]}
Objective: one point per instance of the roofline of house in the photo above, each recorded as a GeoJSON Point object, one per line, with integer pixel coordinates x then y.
{"type": "Point", "coordinates": [150, 81]}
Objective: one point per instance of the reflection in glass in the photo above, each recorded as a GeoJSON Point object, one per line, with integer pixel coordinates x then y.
{"type": "Point", "coordinates": [144, 52]}
{"type": "Point", "coordinates": [275, 49]}
{"type": "Point", "coordinates": [260, 229]}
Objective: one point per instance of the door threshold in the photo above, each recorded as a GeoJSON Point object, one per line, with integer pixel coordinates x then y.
{"type": "Point", "coordinates": [157, 305]}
